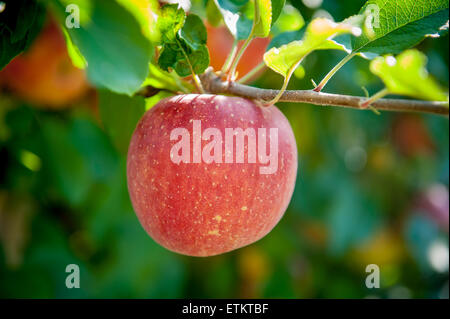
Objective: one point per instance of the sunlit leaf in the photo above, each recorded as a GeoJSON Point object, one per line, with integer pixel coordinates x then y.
{"type": "Point", "coordinates": [122, 70]}
{"type": "Point", "coordinates": [237, 16]}
{"type": "Point", "coordinates": [171, 20]}
{"type": "Point", "coordinates": [213, 14]}
{"type": "Point", "coordinates": [407, 75]}
{"type": "Point", "coordinates": [318, 36]}
{"type": "Point", "coordinates": [263, 18]}
{"type": "Point", "coordinates": [289, 20]}
{"type": "Point", "coordinates": [145, 12]}
{"type": "Point", "coordinates": [278, 7]}
{"type": "Point", "coordinates": [393, 26]}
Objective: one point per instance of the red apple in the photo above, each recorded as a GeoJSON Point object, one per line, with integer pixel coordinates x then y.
{"type": "Point", "coordinates": [44, 74]}
{"type": "Point", "coordinates": [200, 209]}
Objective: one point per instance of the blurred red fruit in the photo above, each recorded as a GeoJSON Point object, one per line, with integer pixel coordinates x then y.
{"type": "Point", "coordinates": [220, 42]}
{"type": "Point", "coordinates": [44, 74]}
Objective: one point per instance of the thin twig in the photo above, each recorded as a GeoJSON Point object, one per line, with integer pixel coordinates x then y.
{"type": "Point", "coordinates": [215, 85]}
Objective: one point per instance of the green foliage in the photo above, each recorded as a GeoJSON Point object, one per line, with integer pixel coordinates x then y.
{"type": "Point", "coordinates": [360, 175]}
{"type": "Point", "coordinates": [402, 24]}
{"type": "Point", "coordinates": [100, 49]}
{"type": "Point", "coordinates": [318, 36]}
{"type": "Point", "coordinates": [20, 22]}
{"type": "Point", "coordinates": [120, 114]}
{"type": "Point", "coordinates": [194, 32]}
{"type": "Point", "coordinates": [289, 20]}
{"type": "Point", "coordinates": [263, 18]}
{"type": "Point", "coordinates": [184, 45]}
{"type": "Point", "coordinates": [407, 75]}
{"type": "Point", "coordinates": [213, 14]}
{"type": "Point", "coordinates": [277, 9]}
{"type": "Point", "coordinates": [170, 21]}
{"type": "Point", "coordinates": [237, 16]}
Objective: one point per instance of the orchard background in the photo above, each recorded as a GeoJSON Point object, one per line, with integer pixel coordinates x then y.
{"type": "Point", "coordinates": [371, 188]}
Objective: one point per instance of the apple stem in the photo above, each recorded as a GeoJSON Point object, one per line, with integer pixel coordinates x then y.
{"type": "Point", "coordinates": [333, 71]}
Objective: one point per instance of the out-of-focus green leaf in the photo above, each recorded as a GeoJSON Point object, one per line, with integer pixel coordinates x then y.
{"type": "Point", "coordinates": [318, 36]}
{"type": "Point", "coordinates": [120, 114]}
{"type": "Point", "coordinates": [152, 101]}
{"type": "Point", "coordinates": [289, 20]}
{"type": "Point", "coordinates": [263, 18]}
{"type": "Point", "coordinates": [397, 25]}
{"type": "Point", "coordinates": [20, 22]}
{"type": "Point", "coordinates": [75, 55]}
{"type": "Point", "coordinates": [108, 28]}
{"type": "Point", "coordinates": [160, 79]}
{"type": "Point", "coordinates": [67, 166]}
{"type": "Point", "coordinates": [144, 11]}
{"type": "Point", "coordinates": [407, 75]}
{"type": "Point", "coordinates": [277, 9]}
{"type": "Point", "coordinates": [237, 16]}
{"type": "Point", "coordinates": [285, 38]}
{"type": "Point", "coordinates": [213, 14]}
{"type": "Point", "coordinates": [232, 5]}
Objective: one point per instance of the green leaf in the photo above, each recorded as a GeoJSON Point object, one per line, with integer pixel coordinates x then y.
{"type": "Point", "coordinates": [318, 36]}
{"type": "Point", "coordinates": [180, 58]}
{"type": "Point", "coordinates": [160, 79]}
{"type": "Point", "coordinates": [237, 15]}
{"type": "Point", "coordinates": [277, 9]}
{"type": "Point", "coordinates": [113, 43]}
{"type": "Point", "coordinates": [185, 51]}
{"type": "Point", "coordinates": [401, 24]}
{"type": "Point", "coordinates": [289, 20]}
{"type": "Point", "coordinates": [213, 14]}
{"type": "Point", "coordinates": [407, 75]}
{"type": "Point", "coordinates": [285, 38]}
{"type": "Point", "coordinates": [144, 11]}
{"type": "Point", "coordinates": [20, 23]}
{"type": "Point", "coordinates": [75, 55]}
{"type": "Point", "coordinates": [263, 18]}
{"type": "Point", "coordinates": [120, 114]}
{"type": "Point", "coordinates": [193, 32]}
{"type": "Point", "coordinates": [170, 21]}
{"type": "Point", "coordinates": [232, 5]}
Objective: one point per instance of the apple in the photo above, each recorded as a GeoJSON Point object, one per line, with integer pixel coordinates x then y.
{"type": "Point", "coordinates": [44, 74]}
{"type": "Point", "coordinates": [220, 42]}
{"type": "Point", "coordinates": [208, 174]}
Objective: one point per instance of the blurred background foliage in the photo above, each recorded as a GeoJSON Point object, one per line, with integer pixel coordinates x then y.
{"type": "Point", "coordinates": [371, 189]}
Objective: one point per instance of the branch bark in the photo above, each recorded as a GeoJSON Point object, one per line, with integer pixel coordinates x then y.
{"type": "Point", "coordinates": [213, 84]}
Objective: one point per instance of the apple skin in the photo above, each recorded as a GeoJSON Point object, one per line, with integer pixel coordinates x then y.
{"type": "Point", "coordinates": [220, 42]}
{"type": "Point", "coordinates": [44, 74]}
{"type": "Point", "coordinates": [201, 209]}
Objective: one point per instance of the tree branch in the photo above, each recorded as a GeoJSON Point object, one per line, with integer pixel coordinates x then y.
{"type": "Point", "coordinates": [213, 84]}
